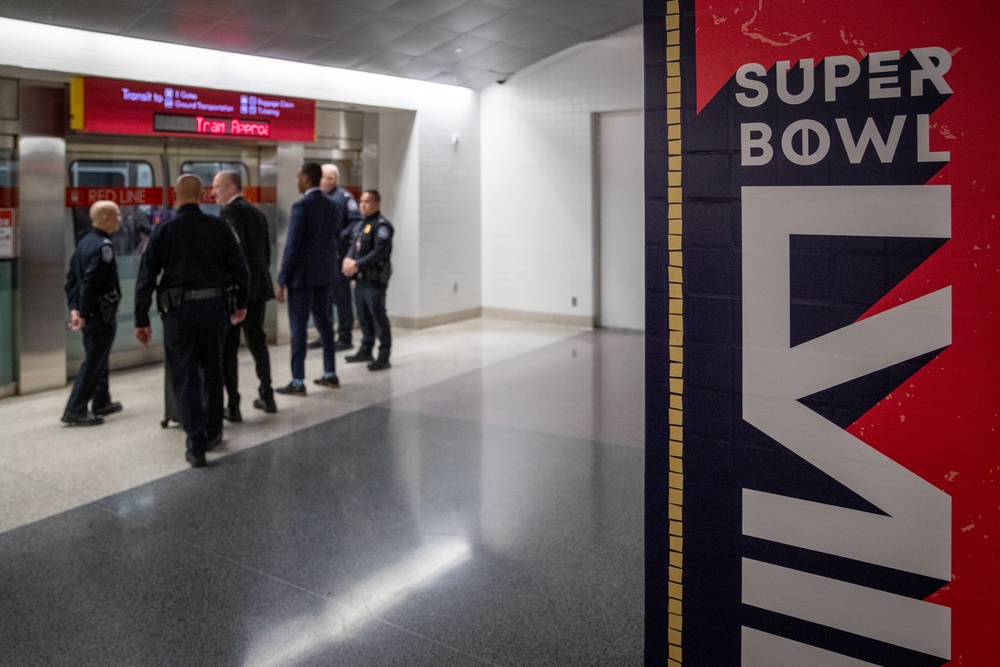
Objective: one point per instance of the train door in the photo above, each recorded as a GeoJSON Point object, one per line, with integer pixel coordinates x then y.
{"type": "Point", "coordinates": [138, 176]}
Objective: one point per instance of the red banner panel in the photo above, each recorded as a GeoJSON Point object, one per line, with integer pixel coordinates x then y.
{"type": "Point", "coordinates": [115, 106]}
{"type": "Point", "coordinates": [838, 447]}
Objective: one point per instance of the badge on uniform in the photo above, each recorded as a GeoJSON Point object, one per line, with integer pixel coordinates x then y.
{"type": "Point", "coordinates": [107, 253]}
{"type": "Point", "coordinates": [367, 229]}
{"type": "Point", "coordinates": [383, 232]}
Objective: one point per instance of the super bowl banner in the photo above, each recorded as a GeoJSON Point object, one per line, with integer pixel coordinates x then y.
{"type": "Point", "coordinates": [823, 306]}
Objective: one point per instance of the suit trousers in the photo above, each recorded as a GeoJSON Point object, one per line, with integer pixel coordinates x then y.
{"type": "Point", "coordinates": [194, 335]}
{"type": "Point", "coordinates": [301, 302]}
{"type": "Point", "coordinates": [253, 328]}
{"type": "Point", "coordinates": [91, 384]}
{"type": "Point", "coordinates": [372, 316]}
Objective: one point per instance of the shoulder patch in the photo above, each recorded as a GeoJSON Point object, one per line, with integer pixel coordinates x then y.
{"type": "Point", "coordinates": [351, 204]}
{"type": "Point", "coordinates": [107, 253]}
{"type": "Point", "coordinates": [383, 232]}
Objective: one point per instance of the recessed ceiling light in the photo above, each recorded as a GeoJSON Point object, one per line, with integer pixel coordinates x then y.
{"type": "Point", "coordinates": [458, 49]}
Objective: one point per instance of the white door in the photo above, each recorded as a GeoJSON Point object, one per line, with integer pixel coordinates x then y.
{"type": "Point", "coordinates": [622, 221]}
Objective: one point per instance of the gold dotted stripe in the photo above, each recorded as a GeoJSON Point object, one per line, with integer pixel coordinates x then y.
{"type": "Point", "coordinates": [674, 194]}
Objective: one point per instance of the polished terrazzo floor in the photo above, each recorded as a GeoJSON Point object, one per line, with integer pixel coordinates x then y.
{"type": "Point", "coordinates": [480, 503]}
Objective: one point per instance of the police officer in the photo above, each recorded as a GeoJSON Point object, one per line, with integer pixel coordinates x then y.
{"type": "Point", "coordinates": [368, 261]}
{"type": "Point", "coordinates": [342, 300]}
{"type": "Point", "coordinates": [93, 293]}
{"type": "Point", "coordinates": [199, 258]}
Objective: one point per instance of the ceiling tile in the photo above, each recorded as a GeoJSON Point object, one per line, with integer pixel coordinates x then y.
{"type": "Point", "coordinates": [378, 31]}
{"type": "Point", "coordinates": [459, 49]}
{"type": "Point", "coordinates": [291, 46]}
{"type": "Point", "coordinates": [382, 62]}
{"type": "Point", "coordinates": [168, 27]}
{"type": "Point", "coordinates": [419, 69]}
{"type": "Point", "coordinates": [421, 39]}
{"type": "Point", "coordinates": [216, 9]}
{"type": "Point", "coordinates": [266, 14]}
{"type": "Point", "coordinates": [508, 25]}
{"type": "Point", "coordinates": [229, 37]}
{"type": "Point", "coordinates": [37, 12]}
{"type": "Point", "coordinates": [327, 21]}
{"type": "Point", "coordinates": [515, 4]}
{"type": "Point", "coordinates": [422, 11]}
{"type": "Point", "coordinates": [103, 16]}
{"type": "Point", "coordinates": [538, 34]}
{"type": "Point", "coordinates": [468, 16]}
{"type": "Point", "coordinates": [597, 13]}
{"type": "Point", "coordinates": [609, 25]}
{"type": "Point", "coordinates": [492, 56]}
{"type": "Point", "coordinates": [341, 54]}
{"type": "Point", "coordinates": [368, 5]}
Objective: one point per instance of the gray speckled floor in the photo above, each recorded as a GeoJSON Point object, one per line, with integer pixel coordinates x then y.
{"type": "Point", "coordinates": [493, 517]}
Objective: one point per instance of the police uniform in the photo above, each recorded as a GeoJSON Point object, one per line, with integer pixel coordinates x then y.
{"type": "Point", "coordinates": [371, 249]}
{"type": "Point", "coordinates": [92, 288]}
{"type": "Point", "coordinates": [342, 288]}
{"type": "Point", "coordinates": [200, 258]}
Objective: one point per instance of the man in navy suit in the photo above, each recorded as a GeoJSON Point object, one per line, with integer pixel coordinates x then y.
{"type": "Point", "coordinates": [308, 272]}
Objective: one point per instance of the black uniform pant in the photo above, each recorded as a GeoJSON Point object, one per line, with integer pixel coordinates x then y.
{"type": "Point", "coordinates": [344, 304]}
{"type": "Point", "coordinates": [253, 327]}
{"type": "Point", "coordinates": [194, 335]}
{"type": "Point", "coordinates": [91, 384]}
{"type": "Point", "coordinates": [370, 297]}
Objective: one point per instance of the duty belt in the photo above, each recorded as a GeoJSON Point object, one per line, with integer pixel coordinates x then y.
{"type": "Point", "coordinates": [199, 294]}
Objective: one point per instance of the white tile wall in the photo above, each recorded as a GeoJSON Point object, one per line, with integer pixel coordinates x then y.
{"type": "Point", "coordinates": [537, 164]}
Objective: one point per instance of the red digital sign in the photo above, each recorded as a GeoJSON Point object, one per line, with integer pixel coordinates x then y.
{"type": "Point", "coordinates": [115, 106]}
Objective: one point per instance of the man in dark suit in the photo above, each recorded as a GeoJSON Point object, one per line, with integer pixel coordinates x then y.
{"type": "Point", "coordinates": [250, 226]}
{"type": "Point", "coordinates": [308, 272]}
{"type": "Point", "coordinates": [199, 257]}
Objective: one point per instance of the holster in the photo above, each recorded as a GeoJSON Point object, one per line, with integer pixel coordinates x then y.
{"type": "Point", "coordinates": [169, 298]}
{"type": "Point", "coordinates": [108, 305]}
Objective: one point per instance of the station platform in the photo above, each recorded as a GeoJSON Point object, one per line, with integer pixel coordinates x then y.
{"type": "Point", "coordinates": [479, 503]}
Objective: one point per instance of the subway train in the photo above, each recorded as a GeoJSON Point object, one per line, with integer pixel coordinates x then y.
{"type": "Point", "coordinates": [66, 143]}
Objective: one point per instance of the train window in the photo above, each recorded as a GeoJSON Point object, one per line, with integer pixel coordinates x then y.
{"type": "Point", "coordinates": [135, 228]}
{"type": "Point", "coordinates": [206, 171]}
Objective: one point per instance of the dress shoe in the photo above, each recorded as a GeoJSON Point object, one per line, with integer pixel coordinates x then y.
{"type": "Point", "coordinates": [315, 345]}
{"type": "Point", "coordinates": [108, 409]}
{"type": "Point", "coordinates": [379, 364]}
{"type": "Point", "coordinates": [85, 419]}
{"type": "Point", "coordinates": [265, 404]}
{"type": "Point", "coordinates": [362, 355]}
{"type": "Point", "coordinates": [342, 345]}
{"type": "Point", "coordinates": [330, 381]}
{"type": "Point", "coordinates": [292, 389]}
{"type": "Point", "coordinates": [232, 414]}
{"type": "Point", "coordinates": [196, 460]}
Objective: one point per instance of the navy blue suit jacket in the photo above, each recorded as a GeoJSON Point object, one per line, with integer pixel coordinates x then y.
{"type": "Point", "coordinates": [310, 258]}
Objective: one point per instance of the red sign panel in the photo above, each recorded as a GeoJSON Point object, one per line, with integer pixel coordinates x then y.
{"type": "Point", "coordinates": [116, 106]}
{"type": "Point", "coordinates": [120, 196]}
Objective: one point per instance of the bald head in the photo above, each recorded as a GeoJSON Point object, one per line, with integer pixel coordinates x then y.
{"type": "Point", "coordinates": [330, 179]}
{"type": "Point", "coordinates": [105, 215]}
{"type": "Point", "coordinates": [187, 189]}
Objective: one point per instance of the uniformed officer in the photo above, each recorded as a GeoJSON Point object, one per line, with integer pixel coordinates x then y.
{"type": "Point", "coordinates": [342, 299]}
{"type": "Point", "coordinates": [93, 293]}
{"type": "Point", "coordinates": [200, 260]}
{"type": "Point", "coordinates": [368, 261]}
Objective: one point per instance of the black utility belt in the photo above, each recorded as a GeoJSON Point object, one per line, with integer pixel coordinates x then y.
{"type": "Point", "coordinates": [173, 297]}
{"type": "Point", "coordinates": [199, 294]}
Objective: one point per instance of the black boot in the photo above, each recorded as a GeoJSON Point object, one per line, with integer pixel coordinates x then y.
{"type": "Point", "coordinates": [382, 362]}
{"type": "Point", "coordinates": [364, 353]}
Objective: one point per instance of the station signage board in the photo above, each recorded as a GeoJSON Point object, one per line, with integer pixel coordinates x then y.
{"type": "Point", "coordinates": [117, 106]}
